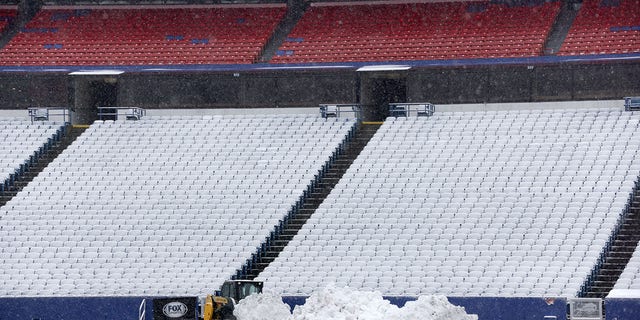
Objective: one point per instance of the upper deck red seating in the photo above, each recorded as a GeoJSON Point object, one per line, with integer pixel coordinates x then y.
{"type": "Point", "coordinates": [417, 31]}
{"type": "Point", "coordinates": [604, 29]}
{"type": "Point", "coordinates": [5, 17]}
{"type": "Point", "coordinates": [214, 35]}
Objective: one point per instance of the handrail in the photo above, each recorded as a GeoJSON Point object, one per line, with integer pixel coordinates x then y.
{"type": "Point", "coordinates": [114, 113]}
{"type": "Point", "coordinates": [420, 109]}
{"type": "Point", "coordinates": [632, 103]}
{"type": "Point", "coordinates": [49, 113]}
{"type": "Point", "coordinates": [339, 110]}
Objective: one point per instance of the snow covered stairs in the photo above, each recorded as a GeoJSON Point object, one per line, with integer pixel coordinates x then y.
{"type": "Point", "coordinates": [620, 249]}
{"type": "Point", "coordinates": [67, 135]}
{"type": "Point", "coordinates": [309, 203]}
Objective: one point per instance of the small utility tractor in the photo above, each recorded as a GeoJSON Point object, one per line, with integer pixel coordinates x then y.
{"type": "Point", "coordinates": [218, 306]}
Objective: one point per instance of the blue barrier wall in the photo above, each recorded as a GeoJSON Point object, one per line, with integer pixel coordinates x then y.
{"type": "Point", "coordinates": [125, 308]}
{"type": "Point", "coordinates": [514, 308]}
{"type": "Point", "coordinates": [622, 309]}
{"type": "Point", "coordinates": [490, 308]}
{"type": "Point", "coordinates": [95, 308]}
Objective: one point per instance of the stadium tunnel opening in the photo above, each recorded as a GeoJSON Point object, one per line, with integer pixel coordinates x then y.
{"type": "Point", "coordinates": [378, 90]}
{"type": "Point", "coordinates": [92, 93]}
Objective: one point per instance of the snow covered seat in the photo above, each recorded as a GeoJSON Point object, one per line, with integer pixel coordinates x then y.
{"type": "Point", "coordinates": [20, 141]}
{"type": "Point", "coordinates": [159, 206]}
{"type": "Point", "coordinates": [490, 204]}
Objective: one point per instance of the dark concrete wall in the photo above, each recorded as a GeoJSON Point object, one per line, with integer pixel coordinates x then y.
{"type": "Point", "coordinates": [252, 90]}
{"type": "Point", "coordinates": [487, 84]}
{"type": "Point", "coordinates": [20, 91]}
{"type": "Point", "coordinates": [524, 83]}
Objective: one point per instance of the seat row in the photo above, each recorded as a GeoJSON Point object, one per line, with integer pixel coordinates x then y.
{"type": "Point", "coordinates": [416, 31]}
{"type": "Point", "coordinates": [121, 36]}
{"type": "Point", "coordinates": [596, 29]}
{"type": "Point", "coordinates": [140, 217]}
{"type": "Point", "coordinates": [381, 217]}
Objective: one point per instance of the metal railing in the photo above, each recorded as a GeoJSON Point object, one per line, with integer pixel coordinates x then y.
{"type": "Point", "coordinates": [340, 110]}
{"type": "Point", "coordinates": [120, 113]}
{"type": "Point", "coordinates": [62, 114]}
{"type": "Point", "coordinates": [420, 109]}
{"type": "Point", "coordinates": [632, 103]}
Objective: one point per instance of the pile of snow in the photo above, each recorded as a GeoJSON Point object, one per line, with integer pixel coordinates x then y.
{"type": "Point", "coordinates": [433, 307]}
{"type": "Point", "coordinates": [263, 306]}
{"type": "Point", "coordinates": [344, 303]}
{"type": "Point", "coordinates": [334, 303]}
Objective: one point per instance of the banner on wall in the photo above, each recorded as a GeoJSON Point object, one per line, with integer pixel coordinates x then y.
{"type": "Point", "coordinates": [183, 308]}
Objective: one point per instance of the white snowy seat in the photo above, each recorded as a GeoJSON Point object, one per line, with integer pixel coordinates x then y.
{"type": "Point", "coordinates": [166, 194]}
{"type": "Point", "coordinates": [464, 212]}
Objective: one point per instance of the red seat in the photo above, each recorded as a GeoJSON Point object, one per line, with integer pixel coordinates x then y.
{"type": "Point", "coordinates": [389, 31]}
{"type": "Point", "coordinates": [139, 36]}
{"type": "Point", "coordinates": [591, 32]}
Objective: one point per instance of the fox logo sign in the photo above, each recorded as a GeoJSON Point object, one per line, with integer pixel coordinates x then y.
{"type": "Point", "coordinates": [175, 309]}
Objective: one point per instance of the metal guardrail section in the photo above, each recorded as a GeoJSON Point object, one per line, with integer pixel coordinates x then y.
{"type": "Point", "coordinates": [423, 109]}
{"type": "Point", "coordinates": [120, 113]}
{"type": "Point", "coordinates": [62, 114]}
{"type": "Point", "coordinates": [340, 110]}
{"type": "Point", "coordinates": [585, 309]}
{"type": "Point", "coordinates": [632, 103]}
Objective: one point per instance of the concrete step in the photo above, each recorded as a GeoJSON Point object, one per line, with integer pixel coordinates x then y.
{"type": "Point", "coordinates": [603, 290]}
{"type": "Point", "coordinates": [622, 249]}
{"type": "Point", "coordinates": [288, 233]}
{"type": "Point", "coordinates": [610, 272]}
{"type": "Point", "coordinates": [620, 255]}
{"type": "Point", "coordinates": [298, 221]}
{"type": "Point", "coordinates": [612, 266]}
{"type": "Point", "coordinates": [625, 243]}
{"type": "Point", "coordinates": [304, 213]}
{"type": "Point", "coordinates": [277, 243]}
{"type": "Point", "coordinates": [632, 223]}
{"type": "Point", "coordinates": [628, 236]}
{"type": "Point", "coordinates": [607, 278]}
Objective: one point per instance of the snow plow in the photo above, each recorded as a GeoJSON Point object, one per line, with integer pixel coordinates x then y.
{"type": "Point", "coordinates": [218, 306]}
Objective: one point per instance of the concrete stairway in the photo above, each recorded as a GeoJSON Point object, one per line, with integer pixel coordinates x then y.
{"type": "Point", "coordinates": [316, 197]}
{"type": "Point", "coordinates": [622, 246]}
{"type": "Point", "coordinates": [295, 11]}
{"type": "Point", "coordinates": [70, 135]}
{"type": "Point", "coordinates": [27, 9]}
{"type": "Point", "coordinates": [560, 28]}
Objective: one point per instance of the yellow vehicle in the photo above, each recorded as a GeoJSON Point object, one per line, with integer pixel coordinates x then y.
{"type": "Point", "coordinates": [220, 305]}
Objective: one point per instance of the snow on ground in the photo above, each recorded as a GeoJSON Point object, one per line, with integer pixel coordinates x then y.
{"type": "Point", "coordinates": [263, 306]}
{"type": "Point", "coordinates": [333, 303]}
